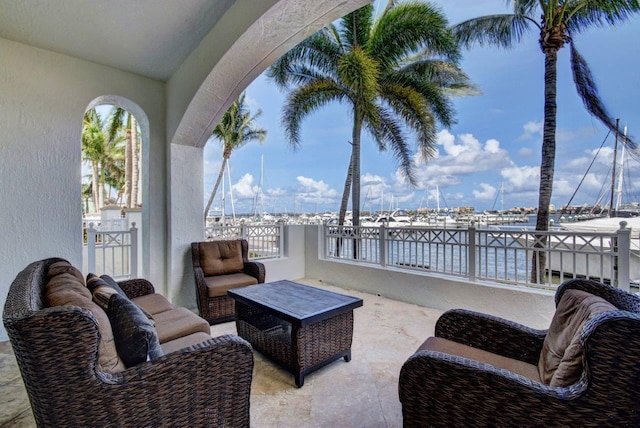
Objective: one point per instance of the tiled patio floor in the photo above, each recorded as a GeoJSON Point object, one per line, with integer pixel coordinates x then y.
{"type": "Point", "coordinates": [361, 393]}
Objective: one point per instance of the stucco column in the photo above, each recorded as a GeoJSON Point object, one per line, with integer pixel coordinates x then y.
{"type": "Point", "coordinates": [185, 221]}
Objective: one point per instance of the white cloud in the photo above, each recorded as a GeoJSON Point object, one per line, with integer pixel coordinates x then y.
{"type": "Point", "coordinates": [525, 152]}
{"type": "Point", "coordinates": [531, 129]}
{"type": "Point", "coordinates": [523, 177]}
{"type": "Point", "coordinates": [487, 192]}
{"type": "Point", "coordinates": [463, 155]}
{"type": "Point", "coordinates": [245, 188]}
{"type": "Point", "coordinates": [316, 192]}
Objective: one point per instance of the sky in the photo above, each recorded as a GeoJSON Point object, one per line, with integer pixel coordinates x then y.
{"type": "Point", "coordinates": [489, 159]}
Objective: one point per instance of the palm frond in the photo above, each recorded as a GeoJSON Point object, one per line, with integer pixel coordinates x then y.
{"type": "Point", "coordinates": [305, 100]}
{"type": "Point", "coordinates": [315, 56]}
{"type": "Point", "coordinates": [409, 28]}
{"type": "Point", "coordinates": [583, 14]}
{"type": "Point", "coordinates": [502, 30]}
{"type": "Point", "coordinates": [356, 26]}
{"type": "Point", "coordinates": [588, 92]}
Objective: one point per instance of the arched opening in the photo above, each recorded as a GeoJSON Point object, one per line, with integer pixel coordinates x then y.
{"type": "Point", "coordinates": [115, 181]}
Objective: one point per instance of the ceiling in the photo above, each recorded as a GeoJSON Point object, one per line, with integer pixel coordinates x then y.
{"type": "Point", "coordinates": [147, 37]}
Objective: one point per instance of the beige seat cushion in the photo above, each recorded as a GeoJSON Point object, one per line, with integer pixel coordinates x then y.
{"type": "Point", "coordinates": [450, 347]}
{"type": "Point", "coordinates": [153, 303]}
{"type": "Point", "coordinates": [184, 342]}
{"type": "Point", "coordinates": [179, 322]}
{"type": "Point", "coordinates": [67, 288]}
{"type": "Point", "coordinates": [560, 361]}
{"type": "Point", "coordinates": [219, 285]}
{"type": "Point", "coordinates": [221, 257]}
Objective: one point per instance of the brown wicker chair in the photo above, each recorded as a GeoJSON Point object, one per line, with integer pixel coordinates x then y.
{"type": "Point", "coordinates": [218, 266]}
{"type": "Point", "coordinates": [57, 352]}
{"type": "Point", "coordinates": [441, 389]}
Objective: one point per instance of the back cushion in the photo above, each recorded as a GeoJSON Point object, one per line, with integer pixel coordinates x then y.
{"type": "Point", "coordinates": [221, 257]}
{"type": "Point", "coordinates": [560, 361]}
{"type": "Point", "coordinates": [66, 287]}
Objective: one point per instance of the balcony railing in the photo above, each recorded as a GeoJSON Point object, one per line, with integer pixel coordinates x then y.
{"type": "Point", "coordinates": [111, 251]}
{"type": "Point", "coordinates": [488, 254]}
{"type": "Point", "coordinates": [266, 241]}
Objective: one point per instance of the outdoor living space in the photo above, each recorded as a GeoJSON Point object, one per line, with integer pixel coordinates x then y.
{"type": "Point", "coordinates": [361, 393]}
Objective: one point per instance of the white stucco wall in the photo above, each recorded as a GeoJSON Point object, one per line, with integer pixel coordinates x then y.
{"type": "Point", "coordinates": [43, 97]}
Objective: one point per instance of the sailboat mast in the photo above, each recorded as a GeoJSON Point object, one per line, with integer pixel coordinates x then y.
{"type": "Point", "coordinates": [613, 174]}
{"type": "Point", "coordinates": [621, 174]}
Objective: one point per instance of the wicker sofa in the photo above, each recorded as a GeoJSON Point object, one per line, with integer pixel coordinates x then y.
{"type": "Point", "coordinates": [219, 266]}
{"type": "Point", "coordinates": [66, 356]}
{"type": "Point", "coordinates": [480, 370]}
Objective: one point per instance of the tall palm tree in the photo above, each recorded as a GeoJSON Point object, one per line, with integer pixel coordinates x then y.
{"type": "Point", "coordinates": [236, 129]}
{"type": "Point", "coordinates": [560, 20]}
{"type": "Point", "coordinates": [396, 73]}
{"type": "Point", "coordinates": [121, 119]}
{"type": "Point", "coordinates": [105, 154]}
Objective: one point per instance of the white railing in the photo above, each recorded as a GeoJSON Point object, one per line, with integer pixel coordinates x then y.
{"type": "Point", "coordinates": [486, 254]}
{"type": "Point", "coordinates": [111, 251]}
{"type": "Point", "coordinates": [266, 241]}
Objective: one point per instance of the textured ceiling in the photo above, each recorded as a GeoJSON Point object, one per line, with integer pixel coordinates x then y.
{"type": "Point", "coordinates": [147, 37]}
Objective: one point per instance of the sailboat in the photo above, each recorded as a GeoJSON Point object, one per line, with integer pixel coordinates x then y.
{"type": "Point", "coordinates": [589, 264]}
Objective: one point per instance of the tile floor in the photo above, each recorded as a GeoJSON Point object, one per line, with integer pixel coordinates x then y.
{"type": "Point", "coordinates": [361, 393]}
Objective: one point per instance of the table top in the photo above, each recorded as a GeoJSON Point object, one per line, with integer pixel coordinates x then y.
{"type": "Point", "coordinates": [297, 303]}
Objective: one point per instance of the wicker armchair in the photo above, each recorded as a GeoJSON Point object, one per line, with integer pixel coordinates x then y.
{"type": "Point", "coordinates": [219, 266]}
{"type": "Point", "coordinates": [443, 389]}
{"type": "Point", "coordinates": [57, 352]}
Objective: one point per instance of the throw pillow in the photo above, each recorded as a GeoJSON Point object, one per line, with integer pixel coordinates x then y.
{"type": "Point", "coordinates": [112, 283]}
{"type": "Point", "coordinates": [560, 361]}
{"type": "Point", "coordinates": [136, 338]}
{"type": "Point", "coordinates": [107, 287]}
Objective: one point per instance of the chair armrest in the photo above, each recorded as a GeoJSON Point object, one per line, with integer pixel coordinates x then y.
{"type": "Point", "coordinates": [136, 287]}
{"type": "Point", "coordinates": [438, 389]}
{"type": "Point", "coordinates": [207, 384]}
{"type": "Point", "coordinates": [255, 269]}
{"type": "Point", "coordinates": [492, 334]}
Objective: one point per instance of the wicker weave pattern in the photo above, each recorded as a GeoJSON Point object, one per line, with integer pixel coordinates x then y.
{"type": "Point", "coordinates": [298, 349]}
{"type": "Point", "coordinates": [437, 389]}
{"type": "Point", "coordinates": [136, 287]}
{"type": "Point", "coordinates": [57, 352]}
{"type": "Point", "coordinates": [220, 309]}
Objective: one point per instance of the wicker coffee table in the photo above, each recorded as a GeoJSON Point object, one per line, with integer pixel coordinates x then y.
{"type": "Point", "coordinates": [302, 328]}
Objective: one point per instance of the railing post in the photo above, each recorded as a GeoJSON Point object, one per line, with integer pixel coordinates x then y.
{"type": "Point", "coordinates": [91, 248]}
{"type": "Point", "coordinates": [281, 241]}
{"type": "Point", "coordinates": [322, 237]}
{"type": "Point", "coordinates": [623, 238]}
{"type": "Point", "coordinates": [133, 251]}
{"type": "Point", "coordinates": [471, 252]}
{"type": "Point", "coordinates": [243, 231]}
{"type": "Point", "coordinates": [383, 247]}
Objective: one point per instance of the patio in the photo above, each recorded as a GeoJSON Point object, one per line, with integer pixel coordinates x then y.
{"type": "Point", "coordinates": [361, 393]}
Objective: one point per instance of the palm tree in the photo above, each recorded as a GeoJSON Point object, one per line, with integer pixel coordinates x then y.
{"type": "Point", "coordinates": [122, 119]}
{"type": "Point", "coordinates": [560, 19]}
{"type": "Point", "coordinates": [102, 152]}
{"type": "Point", "coordinates": [236, 129]}
{"type": "Point", "coordinates": [396, 73]}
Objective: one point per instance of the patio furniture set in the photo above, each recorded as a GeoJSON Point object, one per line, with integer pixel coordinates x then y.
{"type": "Point", "coordinates": [478, 370]}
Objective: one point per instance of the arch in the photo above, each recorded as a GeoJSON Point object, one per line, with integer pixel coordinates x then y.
{"type": "Point", "coordinates": [143, 123]}
{"type": "Point", "coordinates": [280, 28]}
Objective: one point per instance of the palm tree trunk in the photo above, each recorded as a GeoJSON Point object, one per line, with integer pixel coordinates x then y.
{"type": "Point", "coordinates": [345, 194]}
{"type": "Point", "coordinates": [215, 188]}
{"type": "Point", "coordinates": [355, 190]}
{"type": "Point", "coordinates": [547, 163]}
{"type": "Point", "coordinates": [345, 202]}
{"type": "Point", "coordinates": [127, 166]}
{"type": "Point", "coordinates": [94, 186]}
{"type": "Point", "coordinates": [135, 170]}
{"type": "Point", "coordinates": [355, 161]}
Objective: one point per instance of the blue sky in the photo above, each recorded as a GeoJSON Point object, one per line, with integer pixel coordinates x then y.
{"type": "Point", "coordinates": [495, 142]}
